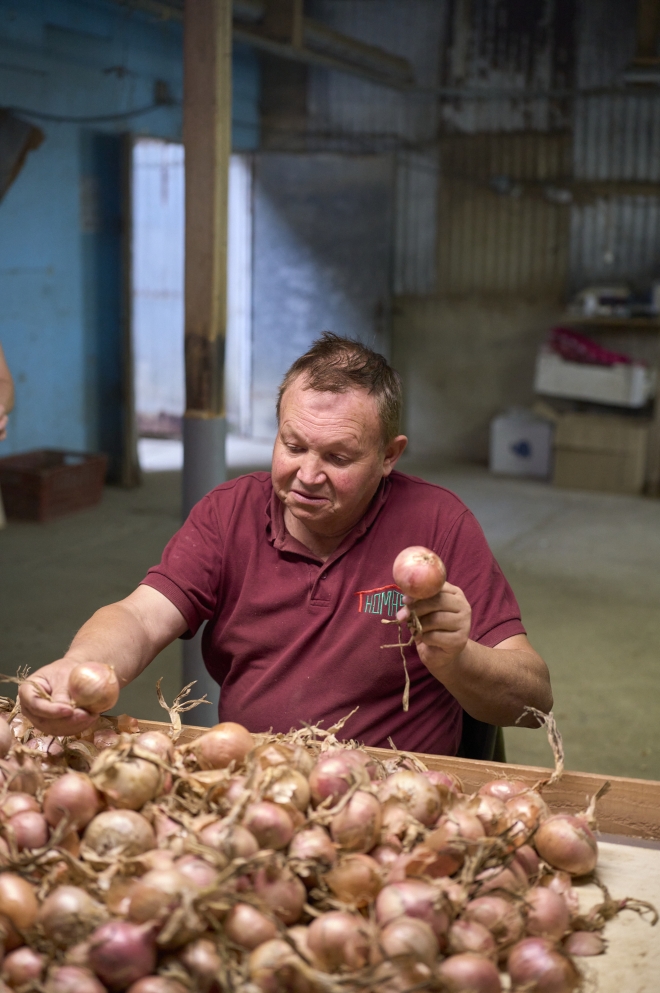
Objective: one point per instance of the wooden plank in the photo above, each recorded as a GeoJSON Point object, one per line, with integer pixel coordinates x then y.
{"type": "Point", "coordinates": [631, 808]}
{"type": "Point", "coordinates": [207, 141]}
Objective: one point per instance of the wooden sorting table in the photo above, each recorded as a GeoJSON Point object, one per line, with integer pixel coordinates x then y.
{"type": "Point", "coordinates": [629, 859]}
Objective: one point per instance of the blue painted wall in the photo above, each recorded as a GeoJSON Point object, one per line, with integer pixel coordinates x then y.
{"type": "Point", "coordinates": [75, 58]}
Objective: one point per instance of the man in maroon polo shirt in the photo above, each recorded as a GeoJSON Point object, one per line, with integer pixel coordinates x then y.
{"type": "Point", "coordinates": [292, 571]}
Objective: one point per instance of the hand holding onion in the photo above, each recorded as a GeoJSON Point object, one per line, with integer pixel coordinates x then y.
{"type": "Point", "coordinates": [65, 697]}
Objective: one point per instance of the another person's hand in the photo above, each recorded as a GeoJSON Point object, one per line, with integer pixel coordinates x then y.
{"type": "Point", "coordinates": [446, 620]}
{"type": "Point", "coordinates": [58, 715]}
{"type": "Point", "coordinates": [4, 417]}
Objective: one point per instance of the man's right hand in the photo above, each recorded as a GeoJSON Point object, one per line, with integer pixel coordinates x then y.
{"type": "Point", "coordinates": [58, 715]}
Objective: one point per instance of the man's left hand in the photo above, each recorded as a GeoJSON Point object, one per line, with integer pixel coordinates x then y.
{"type": "Point", "coordinates": [446, 620]}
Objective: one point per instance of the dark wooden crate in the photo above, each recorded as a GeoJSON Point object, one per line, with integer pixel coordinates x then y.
{"type": "Point", "coordinates": [48, 483]}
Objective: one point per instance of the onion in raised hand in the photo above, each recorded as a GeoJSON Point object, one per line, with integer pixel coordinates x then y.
{"type": "Point", "coordinates": [419, 572]}
{"type": "Point", "coordinates": [93, 686]}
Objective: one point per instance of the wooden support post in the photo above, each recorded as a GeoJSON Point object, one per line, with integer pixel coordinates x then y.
{"type": "Point", "coordinates": [648, 31]}
{"type": "Point", "coordinates": [207, 140]}
{"type": "Point", "coordinates": [283, 21]}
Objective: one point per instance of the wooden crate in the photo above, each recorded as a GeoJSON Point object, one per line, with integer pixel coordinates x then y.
{"type": "Point", "coordinates": [47, 483]}
{"type": "Point", "coordinates": [630, 809]}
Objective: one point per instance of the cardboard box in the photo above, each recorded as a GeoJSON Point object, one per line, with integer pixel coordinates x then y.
{"type": "Point", "coordinates": [600, 452]}
{"type": "Point", "coordinates": [620, 385]}
{"type": "Point", "coordinates": [521, 444]}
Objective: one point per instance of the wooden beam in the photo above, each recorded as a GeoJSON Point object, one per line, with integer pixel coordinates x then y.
{"type": "Point", "coordinates": [648, 31]}
{"type": "Point", "coordinates": [207, 140]}
{"type": "Point", "coordinates": [283, 21]}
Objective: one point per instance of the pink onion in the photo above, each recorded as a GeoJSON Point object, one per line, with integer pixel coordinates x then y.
{"type": "Point", "coordinates": [525, 812]}
{"type": "Point", "coordinates": [129, 783]}
{"type": "Point", "coordinates": [16, 803]}
{"type": "Point", "coordinates": [223, 744]}
{"type": "Point", "coordinates": [30, 829]}
{"type": "Point", "coordinates": [414, 898]}
{"type": "Point", "coordinates": [23, 775]}
{"type": "Point", "coordinates": [444, 781]}
{"type": "Point", "coordinates": [535, 964]}
{"type": "Point", "coordinates": [124, 829]}
{"type": "Point", "coordinates": [471, 936]}
{"type": "Point", "coordinates": [470, 972]}
{"type": "Point", "coordinates": [500, 915]}
{"type": "Point", "coordinates": [73, 796]}
{"type": "Point", "coordinates": [68, 914]}
{"type": "Point", "coordinates": [339, 940]}
{"type": "Point", "coordinates": [528, 860]}
{"type": "Point", "coordinates": [155, 895]}
{"type": "Point", "coordinates": [355, 880]}
{"type": "Point", "coordinates": [491, 811]}
{"type": "Point", "coordinates": [281, 891]}
{"type": "Point", "coordinates": [127, 724]}
{"type": "Point", "coordinates": [269, 823]}
{"type": "Point", "coordinates": [566, 842]}
{"type": "Point", "coordinates": [6, 737]}
{"type": "Point", "coordinates": [419, 572]}
{"type": "Point", "coordinates": [274, 967]}
{"type": "Point", "coordinates": [105, 738]}
{"type": "Point", "coordinates": [503, 789]}
{"type": "Point", "coordinates": [198, 871]}
{"type": "Point", "coordinates": [562, 883]}
{"type": "Point", "coordinates": [409, 936]}
{"type": "Point", "coordinates": [234, 842]}
{"type": "Point", "coordinates": [22, 966]}
{"type": "Point", "coordinates": [202, 961]}
{"type": "Point", "coordinates": [288, 786]}
{"type": "Point", "coordinates": [356, 828]}
{"type": "Point", "coordinates": [121, 952]}
{"type": "Point", "coordinates": [18, 900]}
{"type": "Point", "coordinates": [156, 743]}
{"type": "Point", "coordinates": [248, 927]}
{"type": "Point", "coordinates": [333, 774]}
{"type": "Point", "coordinates": [584, 943]}
{"type": "Point", "coordinates": [312, 845]}
{"type": "Point", "coordinates": [457, 824]}
{"type": "Point", "coordinates": [157, 984]}
{"type": "Point", "coordinates": [9, 936]}
{"type": "Point", "coordinates": [385, 855]}
{"type": "Point", "coordinates": [73, 979]}
{"type": "Point", "coordinates": [415, 792]}
{"type": "Point", "coordinates": [547, 913]}
{"type": "Point", "coordinates": [93, 686]}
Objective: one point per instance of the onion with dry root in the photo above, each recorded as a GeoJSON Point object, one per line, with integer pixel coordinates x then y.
{"type": "Point", "coordinates": [419, 572]}
{"type": "Point", "coordinates": [93, 686]}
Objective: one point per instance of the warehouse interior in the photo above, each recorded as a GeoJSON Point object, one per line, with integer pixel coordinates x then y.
{"type": "Point", "coordinates": [445, 180]}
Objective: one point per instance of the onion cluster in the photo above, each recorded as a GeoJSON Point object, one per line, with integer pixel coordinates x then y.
{"type": "Point", "coordinates": [275, 863]}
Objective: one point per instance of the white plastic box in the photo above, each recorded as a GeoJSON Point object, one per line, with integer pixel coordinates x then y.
{"type": "Point", "coordinates": [521, 444]}
{"type": "Point", "coordinates": [620, 385]}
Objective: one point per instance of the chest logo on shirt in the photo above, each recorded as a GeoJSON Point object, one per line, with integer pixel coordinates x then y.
{"type": "Point", "coordinates": [383, 601]}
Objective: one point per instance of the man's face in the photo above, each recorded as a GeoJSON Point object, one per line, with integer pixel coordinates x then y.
{"type": "Point", "coordinates": [329, 457]}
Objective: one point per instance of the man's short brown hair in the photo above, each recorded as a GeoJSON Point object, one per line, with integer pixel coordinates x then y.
{"type": "Point", "coordinates": [335, 365]}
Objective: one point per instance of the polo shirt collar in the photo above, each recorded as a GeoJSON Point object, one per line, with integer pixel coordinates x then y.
{"type": "Point", "coordinates": [280, 538]}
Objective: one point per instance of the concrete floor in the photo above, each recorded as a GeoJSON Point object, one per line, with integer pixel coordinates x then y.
{"type": "Point", "coordinates": [584, 568]}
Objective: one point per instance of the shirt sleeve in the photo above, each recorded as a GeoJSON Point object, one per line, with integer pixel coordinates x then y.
{"type": "Point", "coordinates": [189, 571]}
{"type": "Point", "coordinates": [471, 566]}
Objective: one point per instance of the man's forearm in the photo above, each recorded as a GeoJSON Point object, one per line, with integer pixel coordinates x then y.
{"type": "Point", "coordinates": [114, 635]}
{"type": "Point", "coordinates": [496, 684]}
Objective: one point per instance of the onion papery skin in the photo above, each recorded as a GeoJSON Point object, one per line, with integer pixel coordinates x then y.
{"type": "Point", "coordinates": [234, 842]}
{"type": "Point", "coordinates": [274, 968]}
{"type": "Point", "coordinates": [492, 813]}
{"type": "Point", "coordinates": [510, 879]}
{"type": "Point", "coordinates": [535, 964]}
{"type": "Point", "coordinates": [22, 966]}
{"type": "Point", "coordinates": [288, 786]}
{"type": "Point", "coordinates": [334, 773]}
{"type": "Point", "coordinates": [155, 895]}
{"type": "Point", "coordinates": [122, 952]}
{"type": "Point", "coordinates": [68, 914]}
{"type": "Point", "coordinates": [74, 796]}
{"type": "Point", "coordinates": [312, 845]}
{"type": "Point", "coordinates": [414, 898]}
{"type": "Point", "coordinates": [270, 824]}
{"type": "Point", "coordinates": [470, 972]}
{"type": "Point", "coordinates": [16, 803]}
{"type": "Point", "coordinates": [503, 789]}
{"type": "Point", "coordinates": [355, 880]}
{"type": "Point", "coordinates": [471, 936]}
{"type": "Point", "coordinates": [105, 738]}
{"type": "Point", "coordinates": [525, 812]}
{"type": "Point", "coordinates": [157, 984]}
{"type": "Point", "coordinates": [339, 940]}
{"type": "Point", "coordinates": [6, 738]}
{"type": "Point", "coordinates": [120, 828]}
{"type": "Point", "coordinates": [127, 784]}
{"type": "Point", "coordinates": [74, 979]}
{"type": "Point", "coordinates": [414, 792]}
{"type": "Point", "coordinates": [93, 686]}
{"type": "Point", "coordinates": [197, 870]}
{"type": "Point", "coordinates": [409, 936]}
{"type": "Point", "coordinates": [202, 961]}
{"type": "Point", "coordinates": [444, 781]}
{"type": "Point", "coordinates": [248, 927]}
{"type": "Point", "coordinates": [30, 829]}
{"type": "Point", "coordinates": [566, 842]}
{"type": "Point", "coordinates": [584, 943]}
{"type": "Point", "coordinates": [562, 883]}
{"type": "Point", "coordinates": [18, 900]}
{"type": "Point", "coordinates": [281, 891]}
{"type": "Point", "coordinates": [419, 572]}
{"type": "Point", "coordinates": [223, 744]}
{"type": "Point", "coordinates": [500, 915]}
{"type": "Point", "coordinates": [156, 743]}
{"type": "Point", "coordinates": [356, 828]}
{"type": "Point", "coordinates": [547, 913]}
